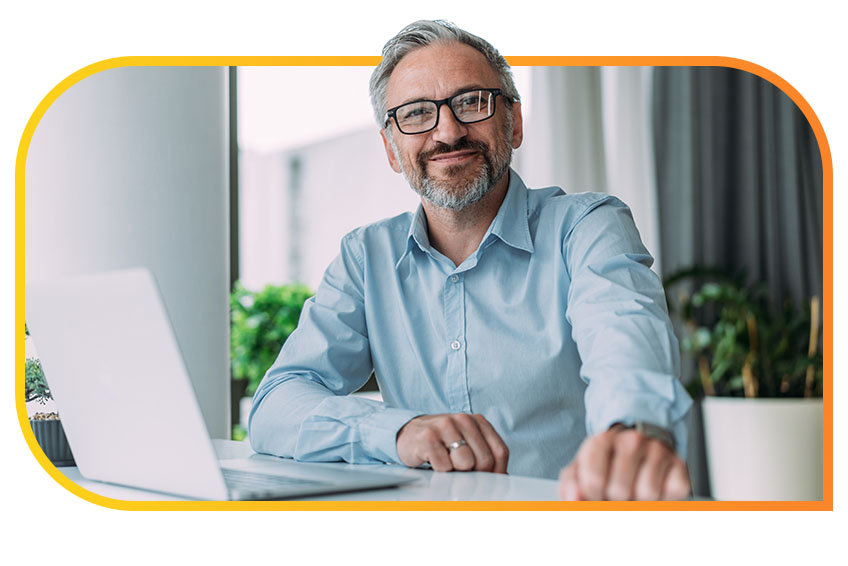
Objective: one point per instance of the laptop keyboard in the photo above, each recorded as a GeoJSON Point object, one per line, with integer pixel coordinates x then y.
{"type": "Point", "coordinates": [253, 482]}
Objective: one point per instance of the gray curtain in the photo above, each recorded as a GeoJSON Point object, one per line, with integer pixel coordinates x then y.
{"type": "Point", "coordinates": [739, 187]}
{"type": "Point", "coordinates": [739, 178]}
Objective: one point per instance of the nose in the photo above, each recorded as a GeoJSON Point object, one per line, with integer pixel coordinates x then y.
{"type": "Point", "coordinates": [449, 130]}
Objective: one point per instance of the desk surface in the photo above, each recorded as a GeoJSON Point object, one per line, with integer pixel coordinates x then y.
{"type": "Point", "coordinates": [427, 485]}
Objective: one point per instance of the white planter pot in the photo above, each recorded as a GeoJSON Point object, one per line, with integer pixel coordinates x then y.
{"type": "Point", "coordinates": [764, 449]}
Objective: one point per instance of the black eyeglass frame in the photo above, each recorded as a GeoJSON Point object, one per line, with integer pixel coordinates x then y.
{"type": "Point", "coordinates": [392, 112]}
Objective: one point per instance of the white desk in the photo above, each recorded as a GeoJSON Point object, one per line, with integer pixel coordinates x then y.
{"type": "Point", "coordinates": [428, 485]}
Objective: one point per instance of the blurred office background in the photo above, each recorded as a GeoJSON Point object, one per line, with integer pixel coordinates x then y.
{"type": "Point", "coordinates": [209, 175]}
{"type": "Point", "coordinates": [717, 165]}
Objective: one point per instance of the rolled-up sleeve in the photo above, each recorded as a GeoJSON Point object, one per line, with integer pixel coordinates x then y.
{"type": "Point", "coordinates": [616, 307]}
{"type": "Point", "coordinates": [302, 408]}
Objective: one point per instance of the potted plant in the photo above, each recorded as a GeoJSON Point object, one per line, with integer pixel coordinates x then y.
{"type": "Point", "coordinates": [260, 322]}
{"type": "Point", "coordinates": [46, 425]}
{"type": "Point", "coordinates": [759, 371]}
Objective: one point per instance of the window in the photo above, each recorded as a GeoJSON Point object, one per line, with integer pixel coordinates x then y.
{"type": "Point", "coordinates": [307, 178]}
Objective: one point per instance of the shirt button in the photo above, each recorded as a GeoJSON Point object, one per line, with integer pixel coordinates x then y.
{"type": "Point", "coordinates": [454, 278]}
{"type": "Point", "coordinates": [455, 345]}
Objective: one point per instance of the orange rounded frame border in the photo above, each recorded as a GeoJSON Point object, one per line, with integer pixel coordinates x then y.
{"type": "Point", "coordinates": [826, 504]}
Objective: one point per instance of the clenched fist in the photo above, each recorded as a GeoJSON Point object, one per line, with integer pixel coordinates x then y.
{"type": "Point", "coordinates": [623, 464]}
{"type": "Point", "coordinates": [456, 441]}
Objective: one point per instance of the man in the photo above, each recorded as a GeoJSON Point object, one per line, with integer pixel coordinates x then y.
{"type": "Point", "coordinates": [510, 330]}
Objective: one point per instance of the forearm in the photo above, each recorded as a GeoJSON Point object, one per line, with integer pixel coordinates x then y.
{"type": "Point", "coordinates": [629, 353]}
{"type": "Point", "coordinates": [631, 367]}
{"type": "Point", "coordinates": [294, 416]}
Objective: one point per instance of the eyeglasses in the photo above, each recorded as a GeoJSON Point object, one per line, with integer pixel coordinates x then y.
{"type": "Point", "coordinates": [467, 107]}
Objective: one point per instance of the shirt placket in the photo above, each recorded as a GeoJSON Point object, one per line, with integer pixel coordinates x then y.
{"type": "Point", "coordinates": [457, 366]}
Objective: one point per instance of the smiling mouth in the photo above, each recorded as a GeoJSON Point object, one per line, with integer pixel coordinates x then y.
{"type": "Point", "coordinates": [454, 157]}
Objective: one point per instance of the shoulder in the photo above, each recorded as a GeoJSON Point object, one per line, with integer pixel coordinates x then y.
{"type": "Point", "coordinates": [385, 228]}
{"type": "Point", "coordinates": [366, 249]}
{"type": "Point", "coordinates": [383, 235]}
{"type": "Point", "coordinates": [567, 210]}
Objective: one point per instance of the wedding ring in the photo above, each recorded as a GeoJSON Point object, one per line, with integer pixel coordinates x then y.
{"type": "Point", "coordinates": [454, 445]}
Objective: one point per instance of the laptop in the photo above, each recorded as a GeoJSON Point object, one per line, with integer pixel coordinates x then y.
{"type": "Point", "coordinates": [122, 390]}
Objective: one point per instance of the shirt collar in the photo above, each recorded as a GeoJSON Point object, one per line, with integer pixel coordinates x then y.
{"type": "Point", "coordinates": [510, 223]}
{"type": "Point", "coordinates": [417, 235]}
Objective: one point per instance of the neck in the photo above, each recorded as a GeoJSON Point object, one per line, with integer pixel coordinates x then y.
{"type": "Point", "coordinates": [457, 233]}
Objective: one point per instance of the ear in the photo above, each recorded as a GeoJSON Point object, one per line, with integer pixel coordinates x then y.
{"type": "Point", "coordinates": [517, 125]}
{"type": "Point", "coordinates": [390, 153]}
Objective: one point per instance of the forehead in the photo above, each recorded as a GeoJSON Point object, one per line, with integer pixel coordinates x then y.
{"type": "Point", "coordinates": [438, 71]}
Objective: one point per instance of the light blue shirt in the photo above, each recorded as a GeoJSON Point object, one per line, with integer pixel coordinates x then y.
{"type": "Point", "coordinates": [555, 328]}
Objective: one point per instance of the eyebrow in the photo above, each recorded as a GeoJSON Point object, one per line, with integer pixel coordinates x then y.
{"type": "Point", "coordinates": [459, 90]}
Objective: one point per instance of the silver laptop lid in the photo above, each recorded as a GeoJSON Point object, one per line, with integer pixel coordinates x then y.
{"type": "Point", "coordinates": [121, 388]}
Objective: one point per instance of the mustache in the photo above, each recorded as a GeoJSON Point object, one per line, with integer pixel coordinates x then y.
{"type": "Point", "coordinates": [462, 144]}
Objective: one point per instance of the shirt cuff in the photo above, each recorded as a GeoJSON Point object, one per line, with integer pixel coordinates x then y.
{"type": "Point", "coordinates": [651, 409]}
{"type": "Point", "coordinates": [379, 431]}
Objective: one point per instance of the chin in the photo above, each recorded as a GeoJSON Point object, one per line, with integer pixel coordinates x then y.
{"type": "Point", "coordinates": [458, 194]}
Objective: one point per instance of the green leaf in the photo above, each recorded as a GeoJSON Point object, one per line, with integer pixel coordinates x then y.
{"type": "Point", "coordinates": [260, 323]}
{"type": "Point", "coordinates": [35, 386]}
{"type": "Point", "coordinates": [716, 306]}
{"type": "Point", "coordinates": [701, 338]}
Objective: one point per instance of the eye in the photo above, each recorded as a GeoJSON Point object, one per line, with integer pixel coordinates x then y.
{"type": "Point", "coordinates": [415, 112]}
{"type": "Point", "coordinates": [473, 106]}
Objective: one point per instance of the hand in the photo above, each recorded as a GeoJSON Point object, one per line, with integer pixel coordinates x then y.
{"type": "Point", "coordinates": [427, 439]}
{"type": "Point", "coordinates": [623, 464]}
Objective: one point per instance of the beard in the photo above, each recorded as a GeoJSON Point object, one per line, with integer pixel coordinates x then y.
{"type": "Point", "coordinates": [459, 189]}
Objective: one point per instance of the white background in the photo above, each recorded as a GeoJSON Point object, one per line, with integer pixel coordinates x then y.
{"type": "Point", "coordinates": [43, 42]}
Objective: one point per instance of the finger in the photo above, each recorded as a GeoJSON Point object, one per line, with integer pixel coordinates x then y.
{"type": "Point", "coordinates": [568, 490]}
{"type": "Point", "coordinates": [497, 447]}
{"type": "Point", "coordinates": [462, 457]}
{"type": "Point", "coordinates": [475, 454]}
{"type": "Point", "coordinates": [419, 442]}
{"type": "Point", "coordinates": [653, 472]}
{"type": "Point", "coordinates": [593, 466]}
{"type": "Point", "coordinates": [627, 456]}
{"type": "Point", "coordinates": [677, 485]}
{"type": "Point", "coordinates": [435, 450]}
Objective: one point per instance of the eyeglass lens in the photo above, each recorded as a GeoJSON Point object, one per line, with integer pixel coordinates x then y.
{"type": "Point", "coordinates": [468, 107]}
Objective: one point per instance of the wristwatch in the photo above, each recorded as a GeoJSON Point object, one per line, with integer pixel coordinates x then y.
{"type": "Point", "coordinates": [651, 430]}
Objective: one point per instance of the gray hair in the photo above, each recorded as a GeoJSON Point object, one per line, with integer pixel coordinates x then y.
{"type": "Point", "coordinates": [427, 32]}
